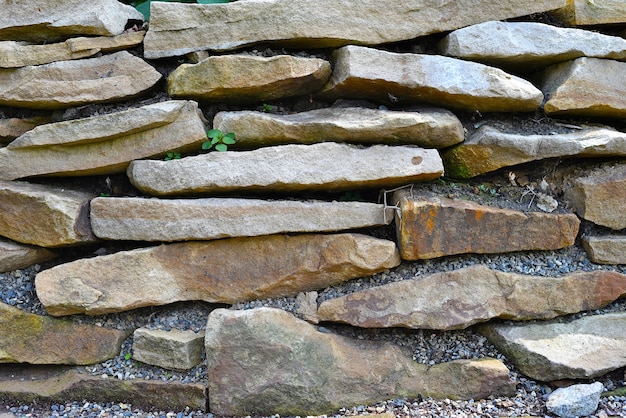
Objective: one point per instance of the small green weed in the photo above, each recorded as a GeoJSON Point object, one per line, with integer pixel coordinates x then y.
{"type": "Point", "coordinates": [172, 156]}
{"type": "Point", "coordinates": [219, 140]}
{"type": "Point", "coordinates": [127, 356]}
{"type": "Point", "coordinates": [488, 191]}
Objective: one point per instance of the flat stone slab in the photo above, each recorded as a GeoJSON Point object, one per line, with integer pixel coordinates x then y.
{"type": "Point", "coordinates": [368, 73]}
{"type": "Point", "coordinates": [266, 361]}
{"type": "Point", "coordinates": [434, 226]}
{"type": "Point", "coordinates": [609, 249]}
{"type": "Point", "coordinates": [176, 29]}
{"type": "Point", "coordinates": [460, 298]}
{"type": "Point", "coordinates": [174, 349]}
{"type": "Point", "coordinates": [597, 12]}
{"type": "Point", "coordinates": [104, 144]}
{"type": "Point", "coordinates": [426, 128]}
{"type": "Point", "coordinates": [140, 219]}
{"type": "Point", "coordinates": [15, 256]}
{"type": "Point", "coordinates": [276, 265]}
{"type": "Point", "coordinates": [248, 78]}
{"type": "Point", "coordinates": [58, 85]}
{"type": "Point", "coordinates": [490, 149]}
{"type": "Point", "coordinates": [528, 45]}
{"type": "Point", "coordinates": [325, 166]}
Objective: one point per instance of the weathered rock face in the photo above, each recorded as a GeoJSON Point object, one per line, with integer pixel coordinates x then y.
{"type": "Point", "coordinates": [275, 266]}
{"type": "Point", "coordinates": [106, 143]}
{"type": "Point", "coordinates": [11, 128]}
{"type": "Point", "coordinates": [597, 12]}
{"type": "Point", "coordinates": [367, 73]}
{"type": "Point", "coordinates": [15, 256]}
{"type": "Point", "coordinates": [427, 128]}
{"type": "Point", "coordinates": [48, 216]}
{"type": "Point", "coordinates": [174, 349]}
{"type": "Point", "coordinates": [35, 339]}
{"type": "Point", "coordinates": [325, 166]}
{"type": "Point", "coordinates": [489, 149]}
{"type": "Point", "coordinates": [264, 361]}
{"type": "Point", "coordinates": [63, 84]}
{"type": "Point", "coordinates": [546, 351]}
{"type": "Point", "coordinates": [246, 78]}
{"type": "Point", "coordinates": [575, 401]}
{"type": "Point", "coordinates": [460, 298]}
{"type": "Point", "coordinates": [528, 45]}
{"type": "Point", "coordinates": [176, 29]}
{"type": "Point", "coordinates": [606, 249]}
{"type": "Point", "coordinates": [573, 88]}
{"type": "Point", "coordinates": [211, 218]}
{"type": "Point", "coordinates": [431, 227]}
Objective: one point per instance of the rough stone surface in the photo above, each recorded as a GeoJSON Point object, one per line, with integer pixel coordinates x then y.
{"type": "Point", "coordinates": [427, 128]}
{"type": "Point", "coordinates": [573, 88]}
{"type": "Point", "coordinates": [11, 128]}
{"type": "Point", "coordinates": [490, 149]}
{"type": "Point", "coordinates": [596, 12]}
{"type": "Point", "coordinates": [529, 45]}
{"type": "Point", "coordinates": [35, 339]}
{"type": "Point", "coordinates": [104, 144]}
{"type": "Point", "coordinates": [15, 256]}
{"type": "Point", "coordinates": [306, 303]}
{"type": "Point", "coordinates": [248, 78]}
{"type": "Point", "coordinates": [43, 215]}
{"type": "Point", "coordinates": [176, 29]}
{"type": "Point", "coordinates": [174, 349]}
{"type": "Point", "coordinates": [575, 401]}
{"type": "Point", "coordinates": [276, 265]}
{"type": "Point", "coordinates": [211, 218]}
{"type": "Point", "coordinates": [46, 20]}
{"type": "Point", "coordinates": [367, 73]}
{"type": "Point", "coordinates": [109, 78]}
{"type": "Point", "coordinates": [460, 298]}
{"type": "Point", "coordinates": [436, 226]}
{"type": "Point", "coordinates": [327, 166]}
{"type": "Point", "coordinates": [606, 249]}
{"type": "Point", "coordinates": [581, 349]}
{"type": "Point", "coordinates": [265, 361]}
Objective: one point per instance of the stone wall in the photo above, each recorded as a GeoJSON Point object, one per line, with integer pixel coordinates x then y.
{"type": "Point", "coordinates": [386, 157]}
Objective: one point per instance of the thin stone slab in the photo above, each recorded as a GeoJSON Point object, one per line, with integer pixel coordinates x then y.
{"type": "Point", "coordinates": [174, 349]}
{"type": "Point", "coordinates": [248, 78]}
{"type": "Point", "coordinates": [140, 219]}
{"type": "Point", "coordinates": [12, 128]}
{"type": "Point", "coordinates": [596, 12]}
{"type": "Point", "coordinates": [104, 144]}
{"type": "Point", "coordinates": [460, 298]}
{"type": "Point", "coordinates": [276, 265]}
{"type": "Point", "coordinates": [528, 45]}
{"type": "Point", "coordinates": [367, 73]}
{"type": "Point", "coordinates": [573, 88]}
{"type": "Point", "coordinates": [426, 128]}
{"type": "Point", "coordinates": [325, 166]}
{"type": "Point", "coordinates": [605, 249]}
{"type": "Point", "coordinates": [15, 256]}
{"type": "Point", "coordinates": [109, 78]}
{"type": "Point", "coordinates": [176, 29]}
{"type": "Point", "coordinates": [553, 350]}
{"type": "Point", "coordinates": [490, 149]}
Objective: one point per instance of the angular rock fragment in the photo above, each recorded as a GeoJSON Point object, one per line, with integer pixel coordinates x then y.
{"type": "Point", "coordinates": [247, 78]}
{"type": "Point", "coordinates": [460, 298]}
{"type": "Point", "coordinates": [265, 361]}
{"type": "Point", "coordinates": [528, 45]}
{"type": "Point", "coordinates": [427, 128]}
{"type": "Point", "coordinates": [596, 12]}
{"type": "Point", "coordinates": [326, 166]}
{"type": "Point", "coordinates": [431, 227]}
{"type": "Point", "coordinates": [610, 249]}
{"type": "Point", "coordinates": [58, 85]}
{"type": "Point", "coordinates": [176, 29]}
{"type": "Point", "coordinates": [581, 349]}
{"type": "Point", "coordinates": [15, 256]}
{"type": "Point", "coordinates": [44, 216]}
{"type": "Point", "coordinates": [276, 265]}
{"type": "Point", "coordinates": [13, 127]}
{"type": "Point", "coordinates": [140, 219]}
{"type": "Point", "coordinates": [490, 149]}
{"type": "Point", "coordinates": [367, 73]}
{"type": "Point", "coordinates": [575, 401]}
{"type": "Point", "coordinates": [35, 339]}
{"type": "Point", "coordinates": [174, 349]}
{"type": "Point", "coordinates": [104, 144]}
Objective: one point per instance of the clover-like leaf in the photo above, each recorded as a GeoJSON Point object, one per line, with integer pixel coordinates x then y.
{"type": "Point", "coordinates": [221, 147]}
{"type": "Point", "coordinates": [229, 138]}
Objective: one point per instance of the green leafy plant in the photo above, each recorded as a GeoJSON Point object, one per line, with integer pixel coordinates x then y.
{"type": "Point", "coordinates": [218, 140]}
{"type": "Point", "coordinates": [144, 5]}
{"type": "Point", "coordinates": [173, 156]}
{"type": "Point", "coordinates": [127, 356]}
{"type": "Point", "coordinates": [487, 190]}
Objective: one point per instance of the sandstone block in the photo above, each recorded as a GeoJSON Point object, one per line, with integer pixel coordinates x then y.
{"type": "Point", "coordinates": [44, 216]}
{"type": "Point", "coordinates": [325, 166]}
{"type": "Point", "coordinates": [597, 12]}
{"type": "Point", "coordinates": [13, 127]}
{"type": "Point", "coordinates": [104, 144]}
{"type": "Point", "coordinates": [436, 226]}
{"type": "Point", "coordinates": [265, 361]}
{"type": "Point", "coordinates": [109, 78]}
{"type": "Point", "coordinates": [211, 218]}
{"type": "Point", "coordinates": [575, 401]}
{"type": "Point", "coordinates": [460, 298]}
{"type": "Point", "coordinates": [15, 256]}
{"type": "Point", "coordinates": [176, 29]}
{"type": "Point", "coordinates": [174, 349]}
{"type": "Point", "coordinates": [367, 73]}
{"type": "Point", "coordinates": [276, 265]}
{"type": "Point", "coordinates": [606, 249]}
{"type": "Point", "coordinates": [490, 149]}
{"type": "Point", "coordinates": [246, 78]}
{"type": "Point", "coordinates": [427, 128]}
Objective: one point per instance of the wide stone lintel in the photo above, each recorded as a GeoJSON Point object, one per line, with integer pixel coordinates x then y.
{"type": "Point", "coordinates": [606, 249]}
{"type": "Point", "coordinates": [15, 256]}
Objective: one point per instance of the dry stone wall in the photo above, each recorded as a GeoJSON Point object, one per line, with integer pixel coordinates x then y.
{"type": "Point", "coordinates": [364, 151]}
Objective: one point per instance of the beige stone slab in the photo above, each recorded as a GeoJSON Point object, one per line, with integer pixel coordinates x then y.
{"type": "Point", "coordinates": [606, 249]}
{"type": "Point", "coordinates": [596, 12]}
{"type": "Point", "coordinates": [15, 256]}
{"type": "Point", "coordinates": [174, 349]}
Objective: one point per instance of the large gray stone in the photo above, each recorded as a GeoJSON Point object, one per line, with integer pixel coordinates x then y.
{"type": "Point", "coordinates": [325, 166]}
{"type": "Point", "coordinates": [15, 256]}
{"type": "Point", "coordinates": [174, 349]}
{"type": "Point", "coordinates": [575, 401]}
